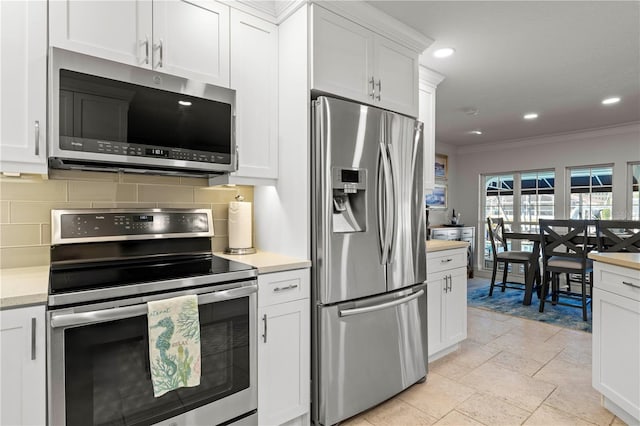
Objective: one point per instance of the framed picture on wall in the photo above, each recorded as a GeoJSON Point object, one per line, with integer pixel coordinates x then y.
{"type": "Point", "coordinates": [437, 199]}
{"type": "Point", "coordinates": [441, 166]}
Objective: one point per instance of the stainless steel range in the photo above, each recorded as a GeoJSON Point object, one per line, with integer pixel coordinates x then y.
{"type": "Point", "coordinates": [105, 266]}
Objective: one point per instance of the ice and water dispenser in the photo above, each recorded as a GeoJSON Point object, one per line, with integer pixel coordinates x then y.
{"type": "Point", "coordinates": [349, 199]}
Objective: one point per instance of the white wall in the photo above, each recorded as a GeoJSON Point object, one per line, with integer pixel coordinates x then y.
{"type": "Point", "coordinates": [617, 146]}
{"type": "Point", "coordinates": [441, 216]}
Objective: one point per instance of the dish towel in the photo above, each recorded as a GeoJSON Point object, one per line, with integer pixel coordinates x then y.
{"type": "Point", "coordinates": [174, 343]}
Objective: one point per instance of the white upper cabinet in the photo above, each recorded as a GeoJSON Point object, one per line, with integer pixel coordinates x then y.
{"type": "Point", "coordinates": [351, 61]}
{"type": "Point", "coordinates": [23, 83]}
{"type": "Point", "coordinates": [191, 39]}
{"type": "Point", "coordinates": [188, 39]}
{"type": "Point", "coordinates": [428, 80]}
{"type": "Point", "coordinates": [254, 76]}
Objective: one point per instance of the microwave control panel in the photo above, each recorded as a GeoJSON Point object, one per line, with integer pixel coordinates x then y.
{"type": "Point", "coordinates": [138, 150]}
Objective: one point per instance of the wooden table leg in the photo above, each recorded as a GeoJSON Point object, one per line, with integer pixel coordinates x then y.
{"type": "Point", "coordinates": [531, 274]}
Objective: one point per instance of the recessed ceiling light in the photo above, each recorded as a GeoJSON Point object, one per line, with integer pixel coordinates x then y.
{"type": "Point", "coordinates": [184, 103]}
{"type": "Point", "coordinates": [530, 116]}
{"type": "Point", "coordinates": [475, 132]}
{"type": "Point", "coordinates": [609, 101]}
{"type": "Point", "coordinates": [444, 52]}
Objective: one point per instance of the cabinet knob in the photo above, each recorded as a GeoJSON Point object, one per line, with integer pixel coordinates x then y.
{"type": "Point", "coordinates": [372, 82]}
{"type": "Point", "coordinates": [379, 89]}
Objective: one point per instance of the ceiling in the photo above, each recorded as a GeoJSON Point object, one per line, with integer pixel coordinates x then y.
{"type": "Point", "coordinates": [559, 59]}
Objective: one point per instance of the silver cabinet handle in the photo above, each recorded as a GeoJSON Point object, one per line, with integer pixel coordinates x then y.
{"type": "Point", "coordinates": [630, 284]}
{"type": "Point", "coordinates": [146, 49]}
{"type": "Point", "coordinates": [33, 339]}
{"type": "Point", "coordinates": [446, 286]}
{"type": "Point", "coordinates": [379, 89]}
{"type": "Point", "coordinates": [37, 133]}
{"type": "Point", "coordinates": [367, 309]}
{"type": "Point", "coordinates": [160, 53]}
{"type": "Point", "coordinates": [372, 82]}
{"type": "Point", "coordinates": [446, 260]}
{"type": "Point", "coordinates": [289, 287]}
{"type": "Point", "coordinates": [264, 335]}
{"type": "Point", "coordinates": [237, 158]}
{"type": "Point", "coordinates": [450, 283]}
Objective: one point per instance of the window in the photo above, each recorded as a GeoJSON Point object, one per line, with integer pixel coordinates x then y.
{"type": "Point", "coordinates": [591, 192]}
{"type": "Point", "coordinates": [634, 184]}
{"type": "Point", "coordinates": [521, 199]}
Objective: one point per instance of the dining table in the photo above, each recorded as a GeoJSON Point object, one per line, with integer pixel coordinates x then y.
{"type": "Point", "coordinates": [536, 239]}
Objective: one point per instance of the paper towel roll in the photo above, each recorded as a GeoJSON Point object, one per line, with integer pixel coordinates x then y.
{"type": "Point", "coordinates": [239, 224]}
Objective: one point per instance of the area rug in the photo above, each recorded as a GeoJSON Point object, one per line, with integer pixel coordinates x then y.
{"type": "Point", "coordinates": [510, 303]}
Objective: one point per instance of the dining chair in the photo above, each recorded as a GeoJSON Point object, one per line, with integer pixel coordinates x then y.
{"type": "Point", "coordinates": [502, 254]}
{"type": "Point", "coordinates": [618, 236]}
{"type": "Point", "coordinates": [565, 246]}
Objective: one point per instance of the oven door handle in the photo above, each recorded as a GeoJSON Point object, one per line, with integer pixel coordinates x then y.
{"type": "Point", "coordinates": [114, 314]}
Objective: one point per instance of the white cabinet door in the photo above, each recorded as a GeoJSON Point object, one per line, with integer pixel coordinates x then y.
{"type": "Point", "coordinates": [616, 349]}
{"type": "Point", "coordinates": [254, 76]}
{"type": "Point", "coordinates": [23, 84]}
{"type": "Point", "coordinates": [283, 362]}
{"type": "Point", "coordinates": [435, 329]}
{"type": "Point", "coordinates": [191, 39]}
{"type": "Point", "coordinates": [342, 53]}
{"type": "Point", "coordinates": [455, 311]}
{"type": "Point", "coordinates": [187, 39]}
{"type": "Point", "coordinates": [22, 366]}
{"type": "Point", "coordinates": [426, 114]}
{"type": "Point", "coordinates": [117, 30]}
{"type": "Point", "coordinates": [396, 76]}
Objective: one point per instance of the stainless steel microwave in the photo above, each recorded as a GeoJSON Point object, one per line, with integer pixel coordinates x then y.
{"type": "Point", "coordinates": [116, 117]}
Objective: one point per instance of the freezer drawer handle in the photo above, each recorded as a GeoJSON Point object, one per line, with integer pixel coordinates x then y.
{"type": "Point", "coordinates": [630, 284]}
{"type": "Point", "coordinates": [289, 287]}
{"type": "Point", "coordinates": [365, 310]}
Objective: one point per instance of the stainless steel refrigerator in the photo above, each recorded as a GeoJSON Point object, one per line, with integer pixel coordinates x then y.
{"type": "Point", "coordinates": [369, 262]}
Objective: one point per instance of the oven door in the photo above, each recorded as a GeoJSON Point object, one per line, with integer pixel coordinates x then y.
{"type": "Point", "coordinates": [99, 362]}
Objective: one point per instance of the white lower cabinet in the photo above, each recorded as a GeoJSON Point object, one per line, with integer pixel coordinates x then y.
{"type": "Point", "coordinates": [446, 301]}
{"type": "Point", "coordinates": [616, 339]}
{"type": "Point", "coordinates": [22, 366]}
{"type": "Point", "coordinates": [283, 348]}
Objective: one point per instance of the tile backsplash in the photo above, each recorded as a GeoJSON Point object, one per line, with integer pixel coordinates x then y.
{"type": "Point", "coordinates": [26, 203]}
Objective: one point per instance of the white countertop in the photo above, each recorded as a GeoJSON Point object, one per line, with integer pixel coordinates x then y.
{"type": "Point", "coordinates": [627, 260]}
{"type": "Point", "coordinates": [268, 262]}
{"type": "Point", "coordinates": [439, 245]}
{"type": "Point", "coordinates": [24, 286]}
{"type": "Point", "coordinates": [30, 286]}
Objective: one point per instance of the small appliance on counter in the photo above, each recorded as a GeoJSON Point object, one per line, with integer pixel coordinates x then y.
{"type": "Point", "coordinates": [240, 241]}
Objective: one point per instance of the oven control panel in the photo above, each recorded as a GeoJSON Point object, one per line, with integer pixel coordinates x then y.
{"type": "Point", "coordinates": [72, 226]}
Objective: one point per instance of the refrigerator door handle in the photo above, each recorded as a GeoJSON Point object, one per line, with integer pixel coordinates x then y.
{"type": "Point", "coordinates": [387, 209]}
{"type": "Point", "coordinates": [393, 205]}
{"type": "Point", "coordinates": [368, 309]}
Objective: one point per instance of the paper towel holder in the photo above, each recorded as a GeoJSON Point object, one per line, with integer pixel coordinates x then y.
{"type": "Point", "coordinates": [246, 250]}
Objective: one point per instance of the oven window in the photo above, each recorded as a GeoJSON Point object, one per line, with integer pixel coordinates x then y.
{"type": "Point", "coordinates": [107, 375]}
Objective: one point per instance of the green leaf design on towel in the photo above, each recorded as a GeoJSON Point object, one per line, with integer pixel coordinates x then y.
{"type": "Point", "coordinates": [188, 323]}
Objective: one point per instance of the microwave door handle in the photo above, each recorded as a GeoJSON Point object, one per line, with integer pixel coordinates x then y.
{"type": "Point", "coordinates": [114, 314]}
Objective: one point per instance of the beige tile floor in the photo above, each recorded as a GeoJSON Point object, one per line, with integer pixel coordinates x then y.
{"type": "Point", "coordinates": [509, 371]}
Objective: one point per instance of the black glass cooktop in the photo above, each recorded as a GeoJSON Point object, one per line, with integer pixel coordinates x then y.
{"type": "Point", "coordinates": [94, 275]}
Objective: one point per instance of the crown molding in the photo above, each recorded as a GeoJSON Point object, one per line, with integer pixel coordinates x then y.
{"type": "Point", "coordinates": [598, 132]}
{"type": "Point", "coordinates": [274, 11]}
{"type": "Point", "coordinates": [379, 22]}
{"type": "Point", "coordinates": [429, 76]}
